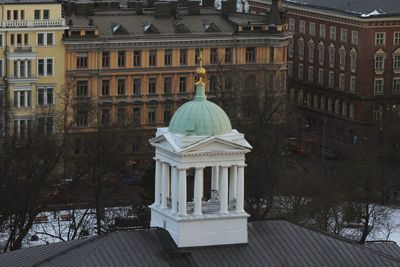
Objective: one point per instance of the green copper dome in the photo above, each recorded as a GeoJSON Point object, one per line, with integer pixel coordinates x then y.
{"type": "Point", "coordinates": [200, 117]}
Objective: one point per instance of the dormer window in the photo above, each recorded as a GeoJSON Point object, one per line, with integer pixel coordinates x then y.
{"type": "Point", "coordinates": [150, 28]}
{"type": "Point", "coordinates": [210, 26]}
{"type": "Point", "coordinates": [118, 29]}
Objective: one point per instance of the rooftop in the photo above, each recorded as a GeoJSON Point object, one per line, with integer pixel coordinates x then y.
{"type": "Point", "coordinates": [361, 8]}
{"type": "Point", "coordinates": [271, 243]}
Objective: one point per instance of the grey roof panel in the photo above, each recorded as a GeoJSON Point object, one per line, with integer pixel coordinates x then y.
{"type": "Point", "coordinates": [271, 243]}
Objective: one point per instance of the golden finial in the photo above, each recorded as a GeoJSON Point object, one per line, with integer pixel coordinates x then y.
{"type": "Point", "coordinates": [200, 71]}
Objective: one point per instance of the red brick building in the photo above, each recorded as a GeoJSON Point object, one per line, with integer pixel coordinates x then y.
{"type": "Point", "coordinates": [344, 64]}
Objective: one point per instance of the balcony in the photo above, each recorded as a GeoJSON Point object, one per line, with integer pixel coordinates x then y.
{"type": "Point", "coordinates": [39, 23]}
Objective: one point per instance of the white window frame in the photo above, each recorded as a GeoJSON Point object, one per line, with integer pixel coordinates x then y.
{"type": "Point", "coordinates": [311, 29]}
{"type": "Point", "coordinates": [321, 76]}
{"type": "Point", "coordinates": [342, 57]}
{"type": "Point", "coordinates": [45, 43]}
{"type": "Point", "coordinates": [379, 82]}
{"type": "Point", "coordinates": [342, 81]}
{"type": "Point", "coordinates": [322, 31]}
{"type": "Point", "coordinates": [26, 97]}
{"type": "Point", "coordinates": [353, 59]}
{"type": "Point", "coordinates": [332, 33]}
{"type": "Point", "coordinates": [321, 53]}
{"type": "Point", "coordinates": [353, 84]}
{"type": "Point", "coordinates": [311, 74]}
{"type": "Point", "coordinates": [396, 86]}
{"type": "Point", "coordinates": [300, 45]}
{"type": "Point", "coordinates": [45, 99]}
{"type": "Point", "coordinates": [380, 38]}
{"type": "Point", "coordinates": [331, 81]}
{"type": "Point", "coordinates": [343, 35]}
{"type": "Point", "coordinates": [396, 38]}
{"type": "Point", "coordinates": [46, 73]}
{"type": "Point", "coordinates": [354, 37]}
{"type": "Point", "coordinates": [300, 72]}
{"type": "Point", "coordinates": [302, 26]}
{"type": "Point", "coordinates": [292, 24]}
{"type": "Point", "coordinates": [311, 50]}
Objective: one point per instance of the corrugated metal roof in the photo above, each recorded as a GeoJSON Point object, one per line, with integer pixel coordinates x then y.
{"type": "Point", "coordinates": [359, 7]}
{"type": "Point", "coordinates": [271, 243]}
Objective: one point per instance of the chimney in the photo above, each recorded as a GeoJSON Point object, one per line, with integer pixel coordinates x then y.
{"type": "Point", "coordinates": [193, 7]}
{"type": "Point", "coordinates": [274, 13]}
{"type": "Point", "coordinates": [162, 9]}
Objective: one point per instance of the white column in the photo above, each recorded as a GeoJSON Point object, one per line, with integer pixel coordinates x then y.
{"type": "Point", "coordinates": [157, 184]}
{"type": "Point", "coordinates": [174, 189]}
{"type": "Point", "coordinates": [223, 197]}
{"type": "Point", "coordinates": [214, 181]}
{"type": "Point", "coordinates": [18, 68]}
{"type": "Point", "coordinates": [182, 192]}
{"type": "Point", "coordinates": [26, 68]}
{"type": "Point", "coordinates": [232, 182]}
{"type": "Point", "coordinates": [198, 191]}
{"type": "Point", "coordinates": [164, 185]}
{"type": "Point", "coordinates": [240, 189]}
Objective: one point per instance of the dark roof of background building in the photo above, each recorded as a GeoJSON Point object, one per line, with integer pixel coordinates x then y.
{"type": "Point", "coordinates": [271, 243]}
{"type": "Point", "coordinates": [362, 8]}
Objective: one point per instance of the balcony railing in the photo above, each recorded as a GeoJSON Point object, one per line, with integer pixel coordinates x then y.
{"type": "Point", "coordinates": [39, 23]}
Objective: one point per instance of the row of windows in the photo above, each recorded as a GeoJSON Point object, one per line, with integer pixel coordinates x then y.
{"type": "Point", "coordinates": [23, 98]}
{"type": "Point", "coordinates": [20, 14]}
{"type": "Point", "coordinates": [82, 86]}
{"type": "Point", "coordinates": [322, 31]}
{"type": "Point", "coordinates": [23, 68]}
{"type": "Point", "coordinates": [320, 51]}
{"type": "Point", "coordinates": [379, 86]}
{"type": "Point", "coordinates": [82, 58]}
{"type": "Point", "coordinates": [320, 77]}
{"type": "Point", "coordinates": [22, 39]}
{"type": "Point", "coordinates": [380, 58]}
{"type": "Point", "coordinates": [23, 127]}
{"type": "Point", "coordinates": [324, 103]}
{"type": "Point", "coordinates": [122, 118]}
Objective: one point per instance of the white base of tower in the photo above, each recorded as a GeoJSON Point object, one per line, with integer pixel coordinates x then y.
{"type": "Point", "coordinates": [202, 230]}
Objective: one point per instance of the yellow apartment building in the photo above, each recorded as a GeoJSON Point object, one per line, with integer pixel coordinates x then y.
{"type": "Point", "coordinates": [135, 66]}
{"type": "Point", "coordinates": [31, 63]}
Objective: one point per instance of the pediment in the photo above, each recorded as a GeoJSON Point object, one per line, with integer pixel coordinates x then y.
{"type": "Point", "coordinates": [215, 144]}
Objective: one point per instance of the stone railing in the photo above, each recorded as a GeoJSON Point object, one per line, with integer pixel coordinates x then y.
{"type": "Point", "coordinates": [39, 23]}
{"type": "Point", "coordinates": [210, 206]}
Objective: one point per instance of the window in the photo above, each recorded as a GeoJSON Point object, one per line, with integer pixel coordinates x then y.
{"type": "Point", "coordinates": [396, 61]}
{"type": "Point", "coordinates": [82, 118]}
{"type": "Point", "coordinates": [22, 128]}
{"type": "Point", "coordinates": [82, 60]}
{"type": "Point", "coordinates": [331, 82]}
{"type": "Point", "coordinates": [45, 124]}
{"type": "Point", "coordinates": [152, 85]}
{"type": "Point", "coordinates": [151, 116]}
{"type": "Point", "coordinates": [290, 48]}
{"type": "Point", "coordinates": [311, 74]}
{"type": "Point", "coordinates": [183, 57]}
{"type": "Point", "coordinates": [321, 53]}
{"type": "Point", "coordinates": [1, 40]}
{"type": "Point", "coordinates": [322, 103]}
{"type": "Point", "coordinates": [8, 14]}
{"type": "Point", "coordinates": [301, 48]}
{"type": "Point", "coordinates": [196, 55]}
{"type": "Point", "coordinates": [105, 59]}
{"type": "Point", "coordinates": [322, 31]}
{"type": "Point", "coordinates": [22, 14]}
{"type": "Point", "coordinates": [341, 82]}
{"type": "Point", "coordinates": [379, 38]}
{"type": "Point", "coordinates": [290, 69]}
{"type": "Point", "coordinates": [353, 60]}
{"type": "Point", "coordinates": [121, 87]}
{"type": "Point", "coordinates": [136, 58]}
{"type": "Point", "coordinates": [22, 98]}
{"type": "Point", "coordinates": [213, 56]}
{"type": "Point", "coordinates": [1, 70]}
{"type": "Point", "coordinates": [300, 74]}
{"type": "Point", "coordinates": [396, 38]}
{"type": "Point", "coordinates": [45, 67]}
{"type": "Point", "coordinates": [182, 84]}
{"type": "Point", "coordinates": [105, 117]}
{"type": "Point", "coordinates": [82, 88]}
{"type": "Point", "coordinates": [26, 39]}
{"type": "Point", "coordinates": [45, 39]}
{"type": "Point", "coordinates": [377, 113]}
{"type": "Point", "coordinates": [331, 51]}
{"type": "Point", "coordinates": [378, 86]}
{"type": "Point", "coordinates": [311, 51]}
{"type": "Point", "coordinates": [332, 33]}
{"type": "Point", "coordinates": [105, 87]}
{"type": "Point", "coordinates": [37, 14]}
{"type": "Point", "coordinates": [343, 35]}
{"type": "Point", "coordinates": [153, 58]}
{"type": "Point", "coordinates": [15, 14]}
{"type": "Point", "coordinates": [396, 85]}
{"type": "Point", "coordinates": [292, 26]}
{"type": "Point", "coordinates": [46, 14]}
{"type": "Point", "coordinates": [137, 84]}
{"type": "Point", "coordinates": [167, 57]}
{"type": "Point", "coordinates": [352, 84]}
{"type": "Point", "coordinates": [354, 37]}
{"type": "Point", "coordinates": [321, 76]}
{"type": "Point", "coordinates": [167, 85]}
{"type": "Point", "coordinates": [342, 57]}
{"type": "Point", "coordinates": [379, 62]}
{"type": "Point", "coordinates": [167, 114]}
{"type": "Point", "coordinates": [312, 29]}
{"type": "Point", "coordinates": [136, 116]}
{"type": "Point", "coordinates": [302, 26]}
{"type": "Point", "coordinates": [45, 96]}
{"type": "Point", "coordinates": [250, 55]}
{"type": "Point", "coordinates": [121, 58]}
{"type": "Point", "coordinates": [121, 116]}
{"type": "Point", "coordinates": [228, 55]}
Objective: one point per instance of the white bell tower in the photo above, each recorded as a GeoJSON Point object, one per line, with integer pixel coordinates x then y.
{"type": "Point", "coordinates": [200, 136]}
